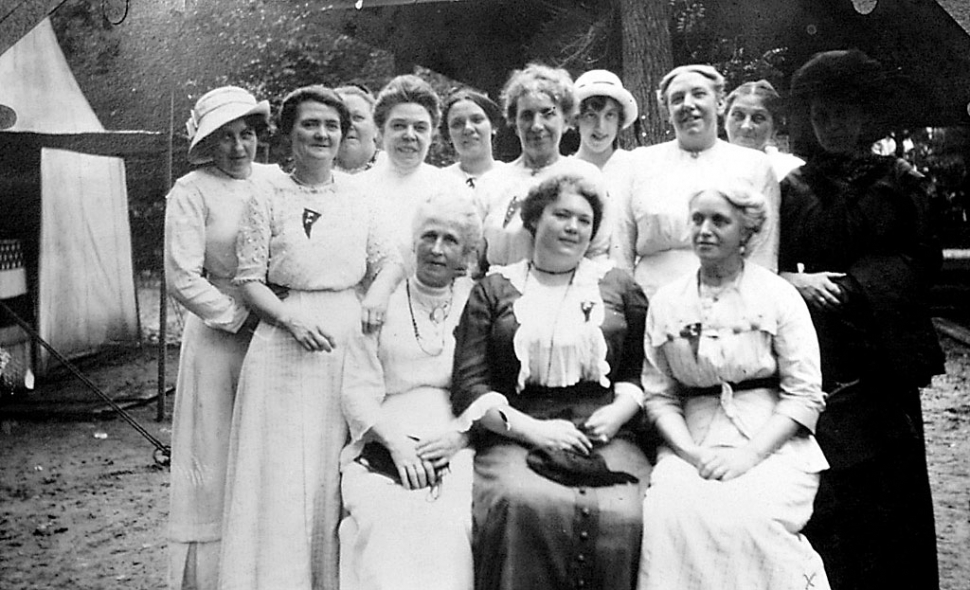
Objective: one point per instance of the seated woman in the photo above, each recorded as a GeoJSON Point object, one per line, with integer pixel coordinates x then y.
{"type": "Point", "coordinates": [548, 359]}
{"type": "Point", "coordinates": [396, 394]}
{"type": "Point", "coordinates": [733, 384]}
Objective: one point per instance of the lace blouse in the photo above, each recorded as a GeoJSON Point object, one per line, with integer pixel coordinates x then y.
{"type": "Point", "coordinates": [313, 239]}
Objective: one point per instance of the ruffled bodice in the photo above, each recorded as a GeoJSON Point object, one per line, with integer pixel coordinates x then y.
{"type": "Point", "coordinates": [516, 333]}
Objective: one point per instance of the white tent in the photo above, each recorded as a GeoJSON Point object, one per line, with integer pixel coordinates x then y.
{"type": "Point", "coordinates": [84, 292]}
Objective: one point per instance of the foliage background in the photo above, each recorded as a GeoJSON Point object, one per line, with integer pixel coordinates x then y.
{"type": "Point", "coordinates": [147, 71]}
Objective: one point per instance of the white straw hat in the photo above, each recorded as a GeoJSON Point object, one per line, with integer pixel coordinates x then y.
{"type": "Point", "coordinates": [216, 108]}
{"type": "Point", "coordinates": [8, 117]}
{"type": "Point", "coordinates": [606, 83]}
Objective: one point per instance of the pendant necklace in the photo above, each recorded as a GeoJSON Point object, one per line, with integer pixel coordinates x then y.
{"type": "Point", "coordinates": [555, 321]}
{"type": "Point", "coordinates": [438, 314]}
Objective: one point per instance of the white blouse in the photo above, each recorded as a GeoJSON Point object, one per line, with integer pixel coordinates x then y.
{"type": "Point", "coordinates": [500, 194]}
{"type": "Point", "coordinates": [755, 328]}
{"type": "Point", "coordinates": [313, 239]}
{"type": "Point", "coordinates": [652, 235]}
{"type": "Point", "coordinates": [203, 213]}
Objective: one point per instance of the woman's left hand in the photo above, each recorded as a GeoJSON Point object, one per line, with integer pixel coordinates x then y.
{"type": "Point", "coordinates": [439, 449]}
{"type": "Point", "coordinates": [604, 423]}
{"type": "Point", "coordinates": [725, 463]}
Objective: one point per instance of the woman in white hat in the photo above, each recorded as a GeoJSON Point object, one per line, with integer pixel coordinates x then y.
{"type": "Point", "coordinates": [605, 108]}
{"type": "Point", "coordinates": [202, 218]}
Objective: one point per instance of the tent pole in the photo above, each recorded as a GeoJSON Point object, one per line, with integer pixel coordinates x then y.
{"type": "Point", "coordinates": [162, 291]}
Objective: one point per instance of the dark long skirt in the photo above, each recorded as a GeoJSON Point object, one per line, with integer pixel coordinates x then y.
{"type": "Point", "coordinates": [873, 521]}
{"type": "Point", "coordinates": [531, 532]}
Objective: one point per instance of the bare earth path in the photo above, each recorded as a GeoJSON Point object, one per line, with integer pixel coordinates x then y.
{"type": "Point", "coordinates": [82, 504]}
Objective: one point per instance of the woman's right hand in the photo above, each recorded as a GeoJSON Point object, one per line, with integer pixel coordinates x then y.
{"type": "Point", "coordinates": [557, 435]}
{"type": "Point", "coordinates": [818, 289]}
{"type": "Point", "coordinates": [310, 334]}
{"type": "Point", "coordinates": [414, 472]}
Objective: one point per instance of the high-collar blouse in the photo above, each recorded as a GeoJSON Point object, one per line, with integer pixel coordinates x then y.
{"type": "Point", "coordinates": [652, 236]}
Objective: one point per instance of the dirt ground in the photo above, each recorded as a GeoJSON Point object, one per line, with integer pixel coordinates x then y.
{"type": "Point", "coordinates": [83, 505]}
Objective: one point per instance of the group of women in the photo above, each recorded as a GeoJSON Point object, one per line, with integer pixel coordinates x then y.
{"type": "Point", "coordinates": [400, 376]}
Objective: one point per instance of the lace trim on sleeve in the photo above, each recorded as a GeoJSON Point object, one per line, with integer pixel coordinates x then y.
{"type": "Point", "coordinates": [253, 242]}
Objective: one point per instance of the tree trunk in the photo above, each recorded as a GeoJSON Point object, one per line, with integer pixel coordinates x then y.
{"type": "Point", "coordinates": [647, 56]}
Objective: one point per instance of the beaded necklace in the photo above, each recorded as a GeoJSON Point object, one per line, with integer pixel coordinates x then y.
{"type": "Point", "coordinates": [438, 314]}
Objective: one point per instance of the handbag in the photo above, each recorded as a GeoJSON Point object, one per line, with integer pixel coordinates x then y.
{"type": "Point", "coordinates": [572, 468]}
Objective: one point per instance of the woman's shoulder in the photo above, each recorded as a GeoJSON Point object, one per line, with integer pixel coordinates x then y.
{"type": "Point", "coordinates": [754, 159]}
{"type": "Point", "coordinates": [501, 278]}
{"type": "Point", "coordinates": [762, 289]}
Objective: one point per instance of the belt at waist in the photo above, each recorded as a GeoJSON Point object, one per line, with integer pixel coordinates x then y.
{"type": "Point", "coordinates": [583, 389]}
{"type": "Point", "coordinates": [762, 383]}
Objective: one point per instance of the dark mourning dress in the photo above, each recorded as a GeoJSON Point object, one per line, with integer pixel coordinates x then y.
{"type": "Point", "coordinates": [868, 217]}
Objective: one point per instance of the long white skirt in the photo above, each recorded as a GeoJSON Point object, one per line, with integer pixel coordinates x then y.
{"type": "Point", "coordinates": [743, 534]}
{"type": "Point", "coordinates": [399, 539]}
{"type": "Point", "coordinates": [283, 491]}
{"type": "Point", "coordinates": [209, 365]}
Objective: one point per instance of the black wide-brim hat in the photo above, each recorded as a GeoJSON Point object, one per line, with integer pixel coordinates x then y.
{"type": "Point", "coordinates": [885, 95]}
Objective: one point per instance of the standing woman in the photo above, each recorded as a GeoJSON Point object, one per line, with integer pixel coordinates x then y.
{"type": "Point", "coordinates": [316, 237]}
{"type": "Point", "coordinates": [605, 109]}
{"type": "Point", "coordinates": [407, 114]}
{"type": "Point", "coordinates": [548, 358]}
{"type": "Point", "coordinates": [202, 216]}
{"type": "Point", "coordinates": [358, 150]}
{"type": "Point", "coordinates": [753, 114]}
{"type": "Point", "coordinates": [858, 246]}
{"type": "Point", "coordinates": [652, 237]}
{"type": "Point", "coordinates": [539, 102]}
{"type": "Point", "coordinates": [470, 120]}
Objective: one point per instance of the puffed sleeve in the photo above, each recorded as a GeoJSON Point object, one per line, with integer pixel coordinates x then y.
{"type": "Point", "coordinates": [363, 384]}
{"type": "Point", "coordinates": [628, 374]}
{"type": "Point", "coordinates": [799, 364]}
{"type": "Point", "coordinates": [661, 396]}
{"type": "Point", "coordinates": [185, 243]}
{"type": "Point", "coordinates": [765, 247]}
{"type": "Point", "coordinates": [252, 243]}
{"type": "Point", "coordinates": [471, 381]}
